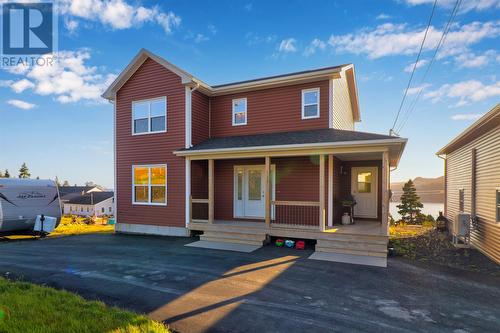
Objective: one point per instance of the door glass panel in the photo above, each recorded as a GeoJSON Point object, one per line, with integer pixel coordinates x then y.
{"type": "Point", "coordinates": [254, 185]}
{"type": "Point", "coordinates": [240, 185]}
{"type": "Point", "coordinates": [364, 182]}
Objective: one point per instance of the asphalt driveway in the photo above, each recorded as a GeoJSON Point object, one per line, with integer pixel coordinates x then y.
{"type": "Point", "coordinates": [270, 290]}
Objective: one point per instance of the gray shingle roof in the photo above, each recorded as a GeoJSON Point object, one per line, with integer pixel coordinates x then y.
{"type": "Point", "coordinates": [328, 135]}
{"type": "Point", "coordinates": [91, 198]}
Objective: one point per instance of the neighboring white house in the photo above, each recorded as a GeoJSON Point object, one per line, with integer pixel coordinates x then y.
{"type": "Point", "coordinates": [91, 204]}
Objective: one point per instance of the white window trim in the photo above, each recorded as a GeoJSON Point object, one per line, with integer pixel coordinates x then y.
{"type": "Point", "coordinates": [304, 91]}
{"type": "Point", "coordinates": [233, 112]}
{"type": "Point", "coordinates": [164, 98]}
{"type": "Point", "coordinates": [149, 166]}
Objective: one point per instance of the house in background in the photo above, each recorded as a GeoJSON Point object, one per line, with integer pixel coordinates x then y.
{"type": "Point", "coordinates": [96, 203]}
{"type": "Point", "coordinates": [246, 161]}
{"type": "Point", "coordinates": [68, 192]}
{"type": "Point", "coordinates": [472, 181]}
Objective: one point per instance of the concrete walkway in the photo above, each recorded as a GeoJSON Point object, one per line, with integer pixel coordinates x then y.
{"type": "Point", "coordinates": [268, 290]}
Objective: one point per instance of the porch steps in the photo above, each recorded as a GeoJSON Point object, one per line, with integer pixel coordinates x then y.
{"type": "Point", "coordinates": [239, 237]}
{"type": "Point", "coordinates": [343, 244]}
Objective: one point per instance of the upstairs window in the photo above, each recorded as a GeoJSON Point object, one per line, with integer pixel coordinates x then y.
{"type": "Point", "coordinates": [150, 184]}
{"type": "Point", "coordinates": [149, 116]}
{"type": "Point", "coordinates": [239, 112]}
{"type": "Point", "coordinates": [310, 103]}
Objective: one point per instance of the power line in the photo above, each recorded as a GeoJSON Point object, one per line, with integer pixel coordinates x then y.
{"type": "Point", "coordinates": [442, 40]}
{"type": "Point", "coordinates": [414, 67]}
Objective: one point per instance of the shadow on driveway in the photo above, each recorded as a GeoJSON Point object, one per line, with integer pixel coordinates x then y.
{"type": "Point", "coordinates": [269, 290]}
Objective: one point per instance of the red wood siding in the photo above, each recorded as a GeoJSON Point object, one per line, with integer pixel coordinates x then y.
{"type": "Point", "coordinates": [270, 110]}
{"type": "Point", "coordinates": [200, 117]}
{"type": "Point", "coordinates": [149, 81]}
{"type": "Point", "coordinates": [297, 179]}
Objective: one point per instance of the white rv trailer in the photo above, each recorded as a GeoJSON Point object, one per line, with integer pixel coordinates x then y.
{"type": "Point", "coordinates": [21, 200]}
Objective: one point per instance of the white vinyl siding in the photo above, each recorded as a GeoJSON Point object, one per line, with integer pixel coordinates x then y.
{"type": "Point", "coordinates": [459, 175]}
{"type": "Point", "coordinates": [342, 111]}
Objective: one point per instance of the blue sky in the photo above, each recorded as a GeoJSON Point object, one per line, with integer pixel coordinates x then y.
{"type": "Point", "coordinates": [55, 121]}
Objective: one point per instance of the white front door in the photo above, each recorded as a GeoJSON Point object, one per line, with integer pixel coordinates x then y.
{"type": "Point", "coordinates": [249, 195]}
{"type": "Point", "coordinates": [364, 182]}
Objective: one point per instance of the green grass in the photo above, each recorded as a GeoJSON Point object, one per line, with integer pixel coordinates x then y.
{"type": "Point", "coordinates": [26, 308]}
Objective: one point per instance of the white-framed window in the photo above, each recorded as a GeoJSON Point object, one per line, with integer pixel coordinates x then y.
{"type": "Point", "coordinates": [310, 103]}
{"type": "Point", "coordinates": [497, 198]}
{"type": "Point", "coordinates": [102, 210]}
{"type": "Point", "coordinates": [109, 208]}
{"type": "Point", "coordinates": [149, 116]}
{"type": "Point", "coordinates": [239, 111]}
{"type": "Point", "coordinates": [149, 184]}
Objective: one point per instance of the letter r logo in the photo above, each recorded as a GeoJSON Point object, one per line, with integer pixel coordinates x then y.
{"type": "Point", "coordinates": [27, 28]}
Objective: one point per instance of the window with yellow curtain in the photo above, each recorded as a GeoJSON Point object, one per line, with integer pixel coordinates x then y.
{"type": "Point", "coordinates": [150, 184]}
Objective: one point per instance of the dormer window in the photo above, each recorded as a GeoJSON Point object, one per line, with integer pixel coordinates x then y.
{"type": "Point", "coordinates": [239, 111]}
{"type": "Point", "coordinates": [149, 116]}
{"type": "Point", "coordinates": [310, 103]}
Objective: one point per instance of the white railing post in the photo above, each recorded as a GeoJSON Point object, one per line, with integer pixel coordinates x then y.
{"type": "Point", "coordinates": [267, 191]}
{"type": "Point", "coordinates": [385, 192]}
{"type": "Point", "coordinates": [210, 191]}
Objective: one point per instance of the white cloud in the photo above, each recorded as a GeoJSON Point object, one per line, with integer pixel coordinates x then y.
{"type": "Point", "coordinates": [466, 116]}
{"type": "Point", "coordinates": [69, 79]}
{"type": "Point", "coordinates": [22, 85]}
{"type": "Point", "coordinates": [21, 104]}
{"type": "Point", "coordinates": [465, 91]}
{"type": "Point", "coordinates": [383, 16]}
{"type": "Point", "coordinates": [200, 38]}
{"type": "Point", "coordinates": [420, 63]}
{"type": "Point", "coordinates": [316, 44]}
{"type": "Point", "coordinates": [472, 60]}
{"type": "Point", "coordinates": [416, 90]}
{"type": "Point", "coordinates": [118, 14]}
{"type": "Point", "coordinates": [288, 45]}
{"type": "Point", "coordinates": [5, 83]}
{"type": "Point", "coordinates": [465, 6]}
{"type": "Point", "coordinates": [398, 39]}
{"type": "Point", "coordinates": [71, 25]}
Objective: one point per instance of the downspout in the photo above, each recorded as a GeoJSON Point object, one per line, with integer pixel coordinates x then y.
{"type": "Point", "coordinates": [445, 183]}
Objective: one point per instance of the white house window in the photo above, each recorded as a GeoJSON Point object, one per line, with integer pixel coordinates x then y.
{"type": "Point", "coordinates": [149, 116]}
{"type": "Point", "coordinates": [109, 208]}
{"type": "Point", "coordinates": [239, 111]}
{"type": "Point", "coordinates": [150, 184]}
{"type": "Point", "coordinates": [102, 210]}
{"type": "Point", "coordinates": [310, 103]}
{"type": "Point", "coordinates": [498, 204]}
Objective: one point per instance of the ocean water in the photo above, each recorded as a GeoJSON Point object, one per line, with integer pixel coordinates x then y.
{"type": "Point", "coordinates": [429, 208]}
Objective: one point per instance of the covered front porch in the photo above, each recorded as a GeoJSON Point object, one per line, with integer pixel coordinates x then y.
{"type": "Point", "coordinates": [249, 189]}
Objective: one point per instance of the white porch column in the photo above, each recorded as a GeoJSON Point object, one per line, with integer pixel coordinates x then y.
{"type": "Point", "coordinates": [188, 191]}
{"type": "Point", "coordinates": [385, 192]}
{"type": "Point", "coordinates": [322, 192]}
{"type": "Point", "coordinates": [210, 191]}
{"type": "Point", "coordinates": [330, 190]}
{"type": "Point", "coordinates": [267, 191]}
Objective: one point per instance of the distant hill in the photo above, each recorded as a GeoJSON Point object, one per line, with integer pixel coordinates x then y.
{"type": "Point", "coordinates": [429, 189]}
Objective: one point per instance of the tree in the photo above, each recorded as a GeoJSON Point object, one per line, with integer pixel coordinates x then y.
{"type": "Point", "coordinates": [1, 174]}
{"type": "Point", "coordinates": [24, 171]}
{"type": "Point", "coordinates": [66, 183]}
{"type": "Point", "coordinates": [409, 209]}
{"type": "Point", "coordinates": [6, 174]}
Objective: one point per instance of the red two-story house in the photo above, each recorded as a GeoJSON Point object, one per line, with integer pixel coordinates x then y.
{"type": "Point", "coordinates": [242, 162]}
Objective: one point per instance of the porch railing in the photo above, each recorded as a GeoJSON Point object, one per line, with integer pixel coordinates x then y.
{"type": "Point", "coordinates": [295, 213]}
{"type": "Point", "coordinates": [199, 210]}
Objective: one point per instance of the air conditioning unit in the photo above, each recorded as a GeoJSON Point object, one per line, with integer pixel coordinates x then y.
{"type": "Point", "coordinates": [461, 227]}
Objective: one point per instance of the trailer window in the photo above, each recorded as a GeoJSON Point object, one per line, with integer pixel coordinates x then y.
{"type": "Point", "coordinates": [150, 184]}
